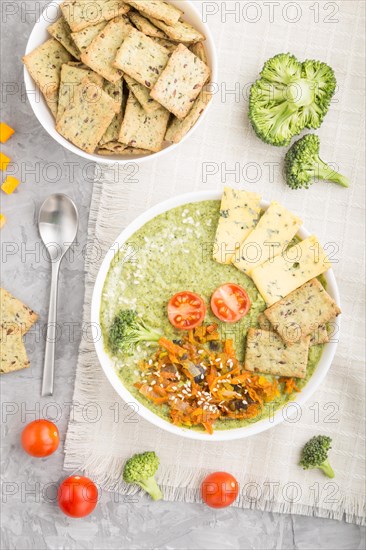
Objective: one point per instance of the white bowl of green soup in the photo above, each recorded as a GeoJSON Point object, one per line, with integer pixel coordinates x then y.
{"type": "Point", "coordinates": [166, 250]}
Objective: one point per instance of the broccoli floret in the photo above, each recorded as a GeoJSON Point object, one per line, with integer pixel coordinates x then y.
{"type": "Point", "coordinates": [289, 97]}
{"type": "Point", "coordinates": [303, 165]}
{"type": "Point", "coordinates": [127, 330]}
{"type": "Point", "coordinates": [315, 454]}
{"type": "Point", "coordinates": [141, 469]}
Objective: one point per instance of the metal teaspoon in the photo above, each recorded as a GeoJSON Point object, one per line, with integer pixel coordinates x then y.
{"type": "Point", "coordinates": [58, 221]}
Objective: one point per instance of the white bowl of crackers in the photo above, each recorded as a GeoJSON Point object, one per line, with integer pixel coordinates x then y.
{"type": "Point", "coordinates": [116, 80]}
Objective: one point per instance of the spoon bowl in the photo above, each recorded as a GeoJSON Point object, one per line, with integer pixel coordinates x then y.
{"type": "Point", "coordinates": [58, 222]}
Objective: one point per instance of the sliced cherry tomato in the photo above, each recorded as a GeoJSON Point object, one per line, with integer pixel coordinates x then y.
{"type": "Point", "coordinates": [186, 310]}
{"type": "Point", "coordinates": [77, 496]}
{"type": "Point", "coordinates": [230, 303]}
{"type": "Point", "coordinates": [40, 438]}
{"type": "Point", "coordinates": [219, 490]}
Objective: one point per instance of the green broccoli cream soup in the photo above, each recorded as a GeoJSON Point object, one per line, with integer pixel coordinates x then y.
{"type": "Point", "coordinates": [169, 254]}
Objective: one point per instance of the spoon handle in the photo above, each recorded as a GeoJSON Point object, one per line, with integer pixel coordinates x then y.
{"type": "Point", "coordinates": [49, 357]}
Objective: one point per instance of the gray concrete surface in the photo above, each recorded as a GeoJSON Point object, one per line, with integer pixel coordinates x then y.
{"type": "Point", "coordinates": [30, 518]}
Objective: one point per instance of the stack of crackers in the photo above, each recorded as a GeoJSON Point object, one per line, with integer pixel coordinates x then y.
{"type": "Point", "coordinates": [288, 329]}
{"type": "Point", "coordinates": [122, 77]}
{"type": "Point", "coordinates": [16, 319]}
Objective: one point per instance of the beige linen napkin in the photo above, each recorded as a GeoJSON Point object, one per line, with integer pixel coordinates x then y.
{"type": "Point", "coordinates": [104, 431]}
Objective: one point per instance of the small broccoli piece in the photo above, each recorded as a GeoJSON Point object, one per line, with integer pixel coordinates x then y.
{"type": "Point", "coordinates": [127, 330]}
{"type": "Point", "coordinates": [141, 469]}
{"type": "Point", "coordinates": [290, 96]}
{"type": "Point", "coordinates": [315, 454]}
{"type": "Point", "coordinates": [303, 165]}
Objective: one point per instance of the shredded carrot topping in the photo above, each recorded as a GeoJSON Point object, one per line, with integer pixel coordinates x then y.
{"type": "Point", "coordinates": [290, 385]}
{"type": "Point", "coordinates": [200, 380]}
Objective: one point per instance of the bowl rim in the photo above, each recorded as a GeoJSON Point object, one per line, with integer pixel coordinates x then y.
{"type": "Point", "coordinates": [38, 104]}
{"type": "Point", "coordinates": [285, 412]}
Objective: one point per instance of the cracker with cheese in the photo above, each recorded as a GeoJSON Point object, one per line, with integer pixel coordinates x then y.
{"type": "Point", "coordinates": [239, 213]}
{"type": "Point", "coordinates": [269, 238]}
{"type": "Point", "coordinates": [302, 312]}
{"type": "Point", "coordinates": [267, 353]}
{"type": "Point", "coordinates": [294, 267]}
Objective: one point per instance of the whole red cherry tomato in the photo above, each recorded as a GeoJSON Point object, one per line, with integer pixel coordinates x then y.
{"type": "Point", "coordinates": [219, 490]}
{"type": "Point", "coordinates": [77, 496]}
{"type": "Point", "coordinates": [40, 438]}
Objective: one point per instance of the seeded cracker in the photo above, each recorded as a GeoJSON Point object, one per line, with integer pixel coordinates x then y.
{"type": "Point", "coordinates": [15, 315]}
{"type": "Point", "coordinates": [71, 77]}
{"type": "Point", "coordinates": [199, 50]}
{"type": "Point", "coordinates": [157, 8]}
{"type": "Point", "coordinates": [302, 312]}
{"type": "Point", "coordinates": [268, 354]}
{"type": "Point", "coordinates": [115, 91]}
{"type": "Point", "coordinates": [13, 353]}
{"type": "Point", "coordinates": [112, 148]}
{"type": "Point", "coordinates": [181, 82]}
{"type": "Point", "coordinates": [167, 44]}
{"type": "Point", "coordinates": [142, 130]}
{"type": "Point", "coordinates": [142, 94]}
{"type": "Point", "coordinates": [144, 25]}
{"type": "Point", "coordinates": [141, 58]}
{"type": "Point", "coordinates": [84, 38]}
{"type": "Point", "coordinates": [86, 119]}
{"type": "Point", "coordinates": [319, 336]}
{"type": "Point", "coordinates": [179, 128]}
{"type": "Point", "coordinates": [116, 148]}
{"type": "Point", "coordinates": [61, 31]}
{"type": "Point", "coordinates": [44, 65]}
{"type": "Point", "coordinates": [81, 14]}
{"type": "Point", "coordinates": [136, 151]}
{"type": "Point", "coordinates": [180, 32]}
{"type": "Point", "coordinates": [101, 53]}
